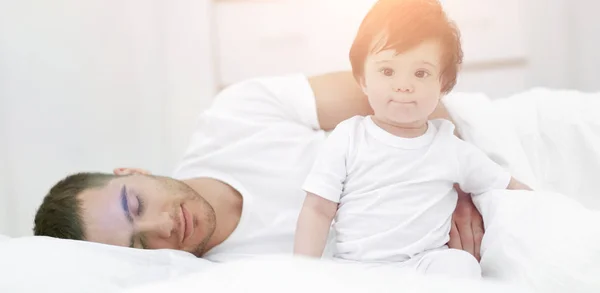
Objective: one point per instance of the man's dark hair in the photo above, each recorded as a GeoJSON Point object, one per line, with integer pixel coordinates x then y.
{"type": "Point", "coordinates": [59, 215]}
{"type": "Point", "coordinates": [403, 24]}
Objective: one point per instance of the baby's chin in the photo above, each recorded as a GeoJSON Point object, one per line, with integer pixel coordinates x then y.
{"type": "Point", "coordinates": [407, 121]}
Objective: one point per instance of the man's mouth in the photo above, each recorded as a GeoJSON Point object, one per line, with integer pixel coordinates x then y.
{"type": "Point", "coordinates": [187, 225]}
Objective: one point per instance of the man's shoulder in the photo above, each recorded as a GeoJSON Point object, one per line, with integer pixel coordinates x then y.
{"type": "Point", "coordinates": [269, 99]}
{"type": "Point", "coordinates": [259, 87]}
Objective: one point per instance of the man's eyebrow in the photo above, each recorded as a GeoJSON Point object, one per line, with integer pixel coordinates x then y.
{"type": "Point", "coordinates": [125, 204]}
{"type": "Point", "coordinates": [125, 207]}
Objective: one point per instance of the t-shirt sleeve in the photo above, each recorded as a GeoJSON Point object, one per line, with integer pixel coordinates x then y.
{"type": "Point", "coordinates": [477, 172]}
{"type": "Point", "coordinates": [287, 98]}
{"type": "Point", "coordinates": [328, 173]}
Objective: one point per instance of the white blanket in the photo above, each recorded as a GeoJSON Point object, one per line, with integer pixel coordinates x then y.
{"type": "Point", "coordinates": [547, 239]}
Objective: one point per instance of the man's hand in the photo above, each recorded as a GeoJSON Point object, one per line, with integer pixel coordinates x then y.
{"type": "Point", "coordinates": [515, 184]}
{"type": "Point", "coordinates": [467, 226]}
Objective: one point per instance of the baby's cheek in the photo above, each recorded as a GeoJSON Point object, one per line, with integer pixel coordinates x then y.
{"type": "Point", "coordinates": [375, 93]}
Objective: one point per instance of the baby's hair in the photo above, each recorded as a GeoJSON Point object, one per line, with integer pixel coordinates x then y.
{"type": "Point", "coordinates": [403, 24]}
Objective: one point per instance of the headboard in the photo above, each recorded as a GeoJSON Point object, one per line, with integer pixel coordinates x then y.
{"type": "Point", "coordinates": [254, 38]}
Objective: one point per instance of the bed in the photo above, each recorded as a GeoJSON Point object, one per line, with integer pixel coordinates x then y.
{"type": "Point", "coordinates": [545, 241]}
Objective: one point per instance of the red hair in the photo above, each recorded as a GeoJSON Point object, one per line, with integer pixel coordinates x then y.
{"type": "Point", "coordinates": [403, 24]}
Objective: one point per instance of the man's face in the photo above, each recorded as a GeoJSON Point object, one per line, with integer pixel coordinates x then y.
{"type": "Point", "coordinates": [148, 212]}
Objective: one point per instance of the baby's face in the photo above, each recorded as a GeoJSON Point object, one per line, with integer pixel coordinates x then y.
{"type": "Point", "coordinates": [404, 88]}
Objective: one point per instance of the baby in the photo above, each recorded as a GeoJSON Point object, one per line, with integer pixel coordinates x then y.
{"type": "Point", "coordinates": [388, 178]}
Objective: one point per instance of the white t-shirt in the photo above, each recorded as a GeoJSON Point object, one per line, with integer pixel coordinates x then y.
{"type": "Point", "coordinates": [261, 137]}
{"type": "Point", "coordinates": [395, 194]}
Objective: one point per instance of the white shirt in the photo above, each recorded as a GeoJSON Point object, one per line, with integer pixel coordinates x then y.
{"type": "Point", "coordinates": [396, 195]}
{"type": "Point", "coordinates": [261, 137]}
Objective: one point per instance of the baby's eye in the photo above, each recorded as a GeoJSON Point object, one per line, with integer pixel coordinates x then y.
{"type": "Point", "coordinates": [387, 71]}
{"type": "Point", "coordinates": [422, 74]}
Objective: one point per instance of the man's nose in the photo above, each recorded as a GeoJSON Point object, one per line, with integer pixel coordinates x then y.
{"type": "Point", "coordinates": [162, 226]}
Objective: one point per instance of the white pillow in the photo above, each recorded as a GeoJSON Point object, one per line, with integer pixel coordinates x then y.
{"type": "Point", "coordinates": [288, 274]}
{"type": "Point", "coordinates": [42, 264]}
{"type": "Point", "coordinates": [540, 239]}
{"type": "Point", "coordinates": [559, 132]}
{"type": "Point", "coordinates": [480, 123]}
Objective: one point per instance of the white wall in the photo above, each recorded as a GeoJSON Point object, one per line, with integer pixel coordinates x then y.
{"type": "Point", "coordinates": [584, 40]}
{"type": "Point", "coordinates": [190, 66]}
{"type": "Point", "coordinates": [544, 35]}
{"type": "Point", "coordinates": [5, 191]}
{"type": "Point", "coordinates": [93, 85]}
{"type": "Point", "coordinates": [548, 32]}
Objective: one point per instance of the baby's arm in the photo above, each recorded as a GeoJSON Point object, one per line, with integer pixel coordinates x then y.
{"type": "Point", "coordinates": [479, 173]}
{"type": "Point", "coordinates": [324, 185]}
{"type": "Point", "coordinates": [313, 225]}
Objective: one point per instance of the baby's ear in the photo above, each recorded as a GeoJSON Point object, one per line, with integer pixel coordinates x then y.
{"type": "Point", "coordinates": [362, 84]}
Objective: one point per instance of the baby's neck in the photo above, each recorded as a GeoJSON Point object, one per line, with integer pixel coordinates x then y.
{"type": "Point", "coordinates": [406, 130]}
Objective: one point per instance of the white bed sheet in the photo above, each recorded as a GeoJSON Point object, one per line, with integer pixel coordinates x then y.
{"type": "Point", "coordinates": [288, 274]}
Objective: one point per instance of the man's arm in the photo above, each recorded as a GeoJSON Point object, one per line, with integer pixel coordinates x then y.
{"type": "Point", "coordinates": [339, 97]}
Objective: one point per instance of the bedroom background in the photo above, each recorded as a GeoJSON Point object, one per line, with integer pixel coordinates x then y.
{"type": "Point", "coordinates": [97, 84]}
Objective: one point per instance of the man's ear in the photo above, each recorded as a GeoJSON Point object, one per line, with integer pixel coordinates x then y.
{"type": "Point", "coordinates": [130, 171]}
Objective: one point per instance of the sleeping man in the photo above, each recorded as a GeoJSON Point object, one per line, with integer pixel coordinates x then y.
{"type": "Point", "coordinates": [237, 191]}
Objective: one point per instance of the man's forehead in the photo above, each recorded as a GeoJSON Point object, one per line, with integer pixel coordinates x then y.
{"type": "Point", "coordinates": [99, 195]}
